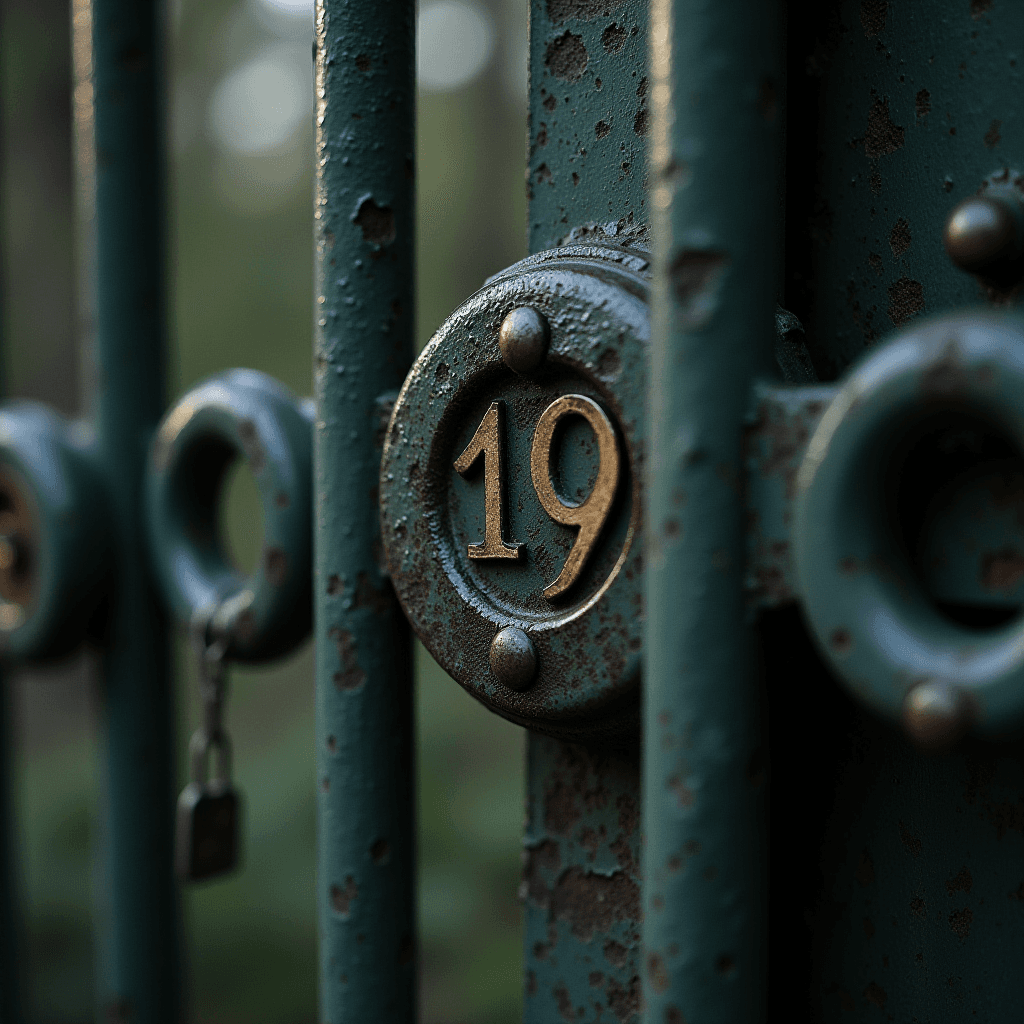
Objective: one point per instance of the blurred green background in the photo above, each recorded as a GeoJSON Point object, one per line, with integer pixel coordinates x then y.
{"type": "Point", "coordinates": [240, 213]}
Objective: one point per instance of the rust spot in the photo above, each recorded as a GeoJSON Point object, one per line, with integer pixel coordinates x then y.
{"type": "Point", "coordinates": [906, 300]}
{"type": "Point", "coordinates": [542, 135]}
{"type": "Point", "coordinates": [993, 136]}
{"type": "Point", "coordinates": [684, 795]}
{"type": "Point", "coordinates": [1002, 570]}
{"type": "Point", "coordinates": [656, 973]}
{"type": "Point", "coordinates": [377, 223]}
{"type": "Point", "coordinates": [592, 903]}
{"type": "Point", "coordinates": [550, 103]}
{"type": "Point", "coordinates": [335, 588]}
{"type": "Point", "coordinates": [351, 676]}
{"type": "Point", "coordinates": [979, 8]}
{"type": "Point", "coordinates": [872, 16]}
{"type": "Point", "coordinates": [281, 499]}
{"type": "Point", "coordinates": [566, 57]}
{"type": "Point", "coordinates": [960, 922]}
{"type": "Point", "coordinates": [882, 136]}
{"type": "Point", "coordinates": [565, 1007]}
{"type": "Point", "coordinates": [909, 840]}
{"type": "Point", "coordinates": [875, 262]}
{"type": "Point", "coordinates": [696, 275]}
{"type": "Point", "coordinates": [617, 954]}
{"type": "Point", "coordinates": [923, 103]}
{"type": "Point", "coordinates": [275, 565]}
{"type": "Point", "coordinates": [899, 237]}
{"type": "Point", "coordinates": [544, 174]}
{"type": "Point", "coordinates": [865, 873]}
{"type": "Point", "coordinates": [363, 62]}
{"type": "Point", "coordinates": [673, 1015]}
{"type": "Point", "coordinates": [624, 1002]}
{"type": "Point", "coordinates": [531, 983]}
{"type": "Point", "coordinates": [918, 908]}
{"type": "Point", "coordinates": [601, 129]}
{"type": "Point", "coordinates": [595, 978]}
{"type": "Point", "coordinates": [960, 882]}
{"type": "Point", "coordinates": [332, 745]}
{"type": "Point", "coordinates": [325, 785]}
{"type": "Point", "coordinates": [875, 182]}
{"type": "Point", "coordinates": [841, 641]}
{"type": "Point", "coordinates": [613, 38]}
{"type": "Point", "coordinates": [380, 852]}
{"type": "Point", "coordinates": [876, 995]}
{"type": "Point", "coordinates": [341, 898]}
{"type": "Point", "coordinates": [640, 122]}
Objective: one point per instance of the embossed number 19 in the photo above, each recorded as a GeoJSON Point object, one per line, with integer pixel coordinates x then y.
{"type": "Point", "coordinates": [588, 517]}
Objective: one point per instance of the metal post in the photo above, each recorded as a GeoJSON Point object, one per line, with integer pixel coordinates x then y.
{"type": "Point", "coordinates": [588, 114]}
{"type": "Point", "coordinates": [138, 942]}
{"type": "Point", "coordinates": [715, 154]}
{"type": "Point", "coordinates": [364, 232]}
{"type": "Point", "coordinates": [11, 941]}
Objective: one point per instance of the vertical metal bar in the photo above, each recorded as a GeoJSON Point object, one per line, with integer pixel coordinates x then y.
{"type": "Point", "coordinates": [364, 234]}
{"type": "Point", "coordinates": [715, 154]}
{"type": "Point", "coordinates": [138, 943]}
{"type": "Point", "coordinates": [588, 110]}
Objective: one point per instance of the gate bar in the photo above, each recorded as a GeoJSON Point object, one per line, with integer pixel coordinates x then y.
{"type": "Point", "coordinates": [715, 155]}
{"type": "Point", "coordinates": [139, 935]}
{"type": "Point", "coordinates": [364, 311]}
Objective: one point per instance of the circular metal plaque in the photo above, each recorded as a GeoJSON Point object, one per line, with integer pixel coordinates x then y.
{"type": "Point", "coordinates": [510, 491]}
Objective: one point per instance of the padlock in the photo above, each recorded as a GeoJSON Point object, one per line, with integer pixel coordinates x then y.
{"type": "Point", "coordinates": [207, 836]}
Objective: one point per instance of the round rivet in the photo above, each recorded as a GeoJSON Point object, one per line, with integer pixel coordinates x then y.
{"type": "Point", "coordinates": [936, 714]}
{"type": "Point", "coordinates": [513, 658]}
{"type": "Point", "coordinates": [983, 231]}
{"type": "Point", "coordinates": [523, 339]}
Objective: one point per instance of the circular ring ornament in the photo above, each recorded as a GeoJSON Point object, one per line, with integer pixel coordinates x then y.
{"type": "Point", "coordinates": [510, 492]}
{"type": "Point", "coordinates": [238, 414]}
{"type": "Point", "coordinates": [865, 603]}
{"type": "Point", "coordinates": [56, 557]}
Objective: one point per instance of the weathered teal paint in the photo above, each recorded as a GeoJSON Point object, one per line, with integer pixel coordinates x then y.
{"type": "Point", "coordinates": [896, 112]}
{"type": "Point", "coordinates": [716, 117]}
{"type": "Point", "coordinates": [586, 166]}
{"type": "Point", "coordinates": [364, 231]}
{"type": "Point", "coordinates": [138, 936]}
{"type": "Point", "coordinates": [588, 121]}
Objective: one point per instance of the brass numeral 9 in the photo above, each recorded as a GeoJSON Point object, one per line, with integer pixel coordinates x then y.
{"type": "Point", "coordinates": [588, 517]}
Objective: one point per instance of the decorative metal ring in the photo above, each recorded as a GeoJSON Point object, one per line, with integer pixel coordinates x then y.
{"type": "Point", "coordinates": [861, 594]}
{"type": "Point", "coordinates": [237, 414]}
{"type": "Point", "coordinates": [510, 491]}
{"type": "Point", "coordinates": [55, 538]}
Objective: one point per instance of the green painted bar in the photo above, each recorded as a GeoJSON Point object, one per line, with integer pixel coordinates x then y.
{"type": "Point", "coordinates": [588, 115]}
{"type": "Point", "coordinates": [364, 234]}
{"type": "Point", "coordinates": [138, 940]}
{"type": "Point", "coordinates": [716, 118]}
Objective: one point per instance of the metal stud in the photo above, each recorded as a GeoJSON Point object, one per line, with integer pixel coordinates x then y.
{"type": "Point", "coordinates": [513, 658]}
{"type": "Point", "coordinates": [984, 233]}
{"type": "Point", "coordinates": [936, 714]}
{"type": "Point", "coordinates": [523, 339]}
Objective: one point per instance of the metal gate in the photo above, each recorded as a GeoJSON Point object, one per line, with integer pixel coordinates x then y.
{"type": "Point", "coordinates": [718, 494]}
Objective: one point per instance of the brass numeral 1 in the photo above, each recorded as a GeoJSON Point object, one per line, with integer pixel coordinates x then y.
{"type": "Point", "coordinates": [588, 517]}
{"type": "Point", "coordinates": [489, 443]}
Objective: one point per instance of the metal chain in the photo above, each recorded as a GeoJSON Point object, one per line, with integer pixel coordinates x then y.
{"type": "Point", "coordinates": [210, 653]}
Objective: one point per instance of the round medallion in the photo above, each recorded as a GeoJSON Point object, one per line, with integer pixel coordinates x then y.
{"type": "Point", "coordinates": [510, 491]}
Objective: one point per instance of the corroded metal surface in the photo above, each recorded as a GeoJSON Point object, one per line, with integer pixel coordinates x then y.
{"type": "Point", "coordinates": [589, 96]}
{"type": "Point", "coordinates": [573, 581]}
{"type": "Point", "coordinates": [581, 884]}
{"type": "Point", "coordinates": [364, 235]}
{"type": "Point", "coordinates": [715, 159]}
